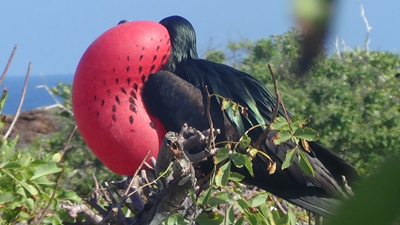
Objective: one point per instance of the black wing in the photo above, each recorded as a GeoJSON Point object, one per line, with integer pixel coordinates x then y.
{"type": "Point", "coordinates": [175, 101]}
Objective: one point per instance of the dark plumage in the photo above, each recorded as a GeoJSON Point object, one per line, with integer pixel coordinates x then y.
{"type": "Point", "coordinates": [176, 95]}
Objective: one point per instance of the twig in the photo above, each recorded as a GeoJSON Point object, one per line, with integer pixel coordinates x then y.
{"type": "Point", "coordinates": [152, 182]}
{"type": "Point", "coordinates": [74, 210]}
{"type": "Point", "coordinates": [68, 141]}
{"type": "Point", "coordinates": [337, 50]}
{"type": "Point", "coordinates": [8, 64]}
{"type": "Point", "coordinates": [52, 197]}
{"type": "Point", "coordinates": [369, 28]}
{"type": "Point", "coordinates": [278, 204]}
{"type": "Point", "coordinates": [58, 104]}
{"type": "Point", "coordinates": [126, 195]}
{"type": "Point", "coordinates": [96, 186]}
{"type": "Point", "coordinates": [20, 103]}
{"type": "Point", "coordinates": [211, 137]}
{"type": "Point", "coordinates": [274, 113]}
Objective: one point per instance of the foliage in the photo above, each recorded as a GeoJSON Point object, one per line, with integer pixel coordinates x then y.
{"type": "Point", "coordinates": [80, 162]}
{"type": "Point", "coordinates": [226, 201]}
{"type": "Point", "coordinates": [351, 95]}
{"type": "Point", "coordinates": [27, 184]}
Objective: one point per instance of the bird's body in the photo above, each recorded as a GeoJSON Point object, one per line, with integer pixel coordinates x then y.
{"type": "Point", "coordinates": [180, 98]}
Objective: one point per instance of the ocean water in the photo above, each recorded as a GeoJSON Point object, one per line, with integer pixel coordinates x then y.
{"type": "Point", "coordinates": [34, 97]}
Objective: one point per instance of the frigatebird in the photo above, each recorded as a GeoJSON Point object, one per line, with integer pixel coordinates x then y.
{"type": "Point", "coordinates": [177, 95]}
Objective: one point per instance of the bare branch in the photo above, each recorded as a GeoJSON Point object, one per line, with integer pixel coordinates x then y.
{"type": "Point", "coordinates": [74, 210]}
{"type": "Point", "coordinates": [274, 113]}
{"type": "Point", "coordinates": [20, 103]}
{"type": "Point", "coordinates": [68, 141]}
{"type": "Point", "coordinates": [369, 28]}
{"type": "Point", "coordinates": [278, 204]}
{"type": "Point", "coordinates": [8, 64]}
{"type": "Point", "coordinates": [211, 137]}
{"type": "Point", "coordinates": [58, 104]}
{"type": "Point", "coordinates": [337, 50]}
{"type": "Point", "coordinates": [51, 198]}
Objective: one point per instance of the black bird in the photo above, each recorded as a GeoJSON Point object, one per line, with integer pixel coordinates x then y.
{"type": "Point", "coordinates": [176, 95]}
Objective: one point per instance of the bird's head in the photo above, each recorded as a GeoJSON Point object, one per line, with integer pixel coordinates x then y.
{"type": "Point", "coordinates": [183, 40]}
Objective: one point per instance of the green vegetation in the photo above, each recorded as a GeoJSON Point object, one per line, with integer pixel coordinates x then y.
{"type": "Point", "coordinates": [352, 96]}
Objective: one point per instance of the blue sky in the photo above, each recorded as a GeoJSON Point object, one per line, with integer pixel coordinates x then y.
{"type": "Point", "coordinates": [54, 34]}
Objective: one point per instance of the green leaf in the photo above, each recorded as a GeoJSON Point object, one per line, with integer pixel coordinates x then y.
{"type": "Point", "coordinates": [222, 154]}
{"type": "Point", "coordinates": [204, 198]}
{"type": "Point", "coordinates": [31, 189]}
{"type": "Point", "coordinates": [292, 218]}
{"type": "Point", "coordinates": [278, 123]}
{"type": "Point", "coordinates": [7, 149]}
{"type": "Point", "coordinates": [70, 195]}
{"type": "Point", "coordinates": [281, 136]}
{"type": "Point", "coordinates": [235, 108]}
{"type": "Point", "coordinates": [6, 197]}
{"type": "Point", "coordinates": [265, 211]}
{"type": "Point", "coordinates": [43, 181]}
{"type": "Point", "coordinates": [245, 142]}
{"type": "Point", "coordinates": [46, 169]}
{"type": "Point", "coordinates": [230, 218]}
{"type": "Point", "coordinates": [252, 152]}
{"type": "Point", "coordinates": [258, 200]}
{"type": "Point", "coordinates": [224, 196]}
{"type": "Point", "coordinates": [216, 201]}
{"type": "Point", "coordinates": [289, 158]}
{"type": "Point", "coordinates": [222, 177]}
{"type": "Point", "coordinates": [226, 102]}
{"type": "Point", "coordinates": [305, 164]}
{"type": "Point", "coordinates": [298, 123]}
{"type": "Point", "coordinates": [236, 177]}
{"type": "Point", "coordinates": [239, 159]}
{"type": "Point", "coordinates": [307, 133]}
{"type": "Point", "coordinates": [175, 219]}
{"type": "Point", "coordinates": [24, 159]}
{"type": "Point", "coordinates": [240, 221]}
{"type": "Point", "coordinates": [249, 165]}
{"type": "Point", "coordinates": [29, 203]}
{"type": "Point", "coordinates": [252, 218]}
{"type": "Point", "coordinates": [242, 205]}
{"type": "Point", "coordinates": [211, 218]}
{"type": "Point", "coordinates": [11, 165]}
{"type": "Point", "coordinates": [38, 162]}
{"type": "Point", "coordinates": [3, 99]}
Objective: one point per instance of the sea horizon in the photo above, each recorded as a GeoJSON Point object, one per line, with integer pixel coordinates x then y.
{"type": "Point", "coordinates": [34, 97]}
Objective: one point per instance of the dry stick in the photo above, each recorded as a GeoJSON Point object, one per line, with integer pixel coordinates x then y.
{"type": "Point", "coordinates": [152, 182]}
{"type": "Point", "coordinates": [96, 186]}
{"type": "Point", "coordinates": [100, 191]}
{"type": "Point", "coordinates": [8, 64]}
{"type": "Point", "coordinates": [62, 171]}
{"type": "Point", "coordinates": [68, 141]}
{"type": "Point", "coordinates": [369, 28]}
{"type": "Point", "coordinates": [211, 137]}
{"type": "Point", "coordinates": [51, 198]}
{"type": "Point", "coordinates": [125, 196]}
{"type": "Point", "coordinates": [20, 103]}
{"type": "Point", "coordinates": [278, 204]}
{"type": "Point", "coordinates": [274, 113]}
